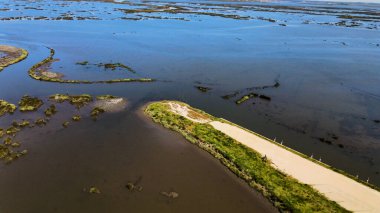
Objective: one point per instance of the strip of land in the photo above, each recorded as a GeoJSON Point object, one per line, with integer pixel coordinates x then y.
{"type": "Point", "coordinates": [290, 181]}
{"type": "Point", "coordinates": [39, 72]}
{"type": "Point", "coordinates": [11, 56]}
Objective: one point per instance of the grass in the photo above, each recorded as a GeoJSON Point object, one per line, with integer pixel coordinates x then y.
{"type": "Point", "coordinates": [95, 112]}
{"type": "Point", "coordinates": [285, 192]}
{"type": "Point", "coordinates": [113, 66]}
{"type": "Point", "coordinates": [22, 124]}
{"type": "Point", "coordinates": [76, 118]}
{"type": "Point", "coordinates": [28, 103]}
{"type": "Point", "coordinates": [6, 107]}
{"type": "Point", "coordinates": [9, 147]}
{"type": "Point", "coordinates": [41, 122]}
{"type": "Point", "coordinates": [51, 110]}
{"type": "Point", "coordinates": [78, 101]}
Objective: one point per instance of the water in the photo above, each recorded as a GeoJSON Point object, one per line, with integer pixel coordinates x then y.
{"type": "Point", "coordinates": [328, 79]}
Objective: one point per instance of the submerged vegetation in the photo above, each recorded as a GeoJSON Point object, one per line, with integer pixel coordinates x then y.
{"type": "Point", "coordinates": [28, 103]}
{"type": "Point", "coordinates": [76, 118]}
{"type": "Point", "coordinates": [134, 186]}
{"type": "Point", "coordinates": [51, 110]}
{"type": "Point", "coordinates": [6, 107]}
{"type": "Point", "coordinates": [22, 124]}
{"type": "Point", "coordinates": [172, 195]}
{"type": "Point", "coordinates": [111, 66]}
{"type": "Point", "coordinates": [83, 63]}
{"type": "Point", "coordinates": [37, 70]}
{"type": "Point", "coordinates": [203, 89]}
{"type": "Point", "coordinates": [9, 149]}
{"type": "Point", "coordinates": [12, 55]}
{"type": "Point", "coordinates": [96, 112]}
{"type": "Point", "coordinates": [65, 124]}
{"type": "Point", "coordinates": [286, 193]}
{"type": "Point", "coordinates": [78, 101]}
{"type": "Point", "coordinates": [174, 9]}
{"type": "Point", "coordinates": [250, 95]}
{"type": "Point", "coordinates": [94, 190]}
{"type": "Point", "coordinates": [8, 155]}
{"type": "Point", "coordinates": [341, 16]}
{"type": "Point", "coordinates": [41, 122]}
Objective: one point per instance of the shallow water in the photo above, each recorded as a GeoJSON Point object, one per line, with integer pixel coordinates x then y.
{"type": "Point", "coordinates": [110, 153]}
{"type": "Point", "coordinates": [328, 79]}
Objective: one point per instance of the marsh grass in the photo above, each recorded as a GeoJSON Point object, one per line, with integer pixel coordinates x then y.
{"type": "Point", "coordinates": [6, 107]}
{"type": "Point", "coordinates": [285, 192]}
{"type": "Point", "coordinates": [28, 103]}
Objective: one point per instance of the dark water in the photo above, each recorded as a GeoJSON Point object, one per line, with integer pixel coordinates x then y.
{"type": "Point", "coordinates": [328, 79]}
{"type": "Point", "coordinates": [110, 153]}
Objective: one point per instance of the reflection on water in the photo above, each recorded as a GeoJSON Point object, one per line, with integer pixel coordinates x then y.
{"type": "Point", "coordinates": [326, 103]}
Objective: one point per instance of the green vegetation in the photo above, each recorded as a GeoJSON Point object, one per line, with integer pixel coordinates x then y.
{"type": "Point", "coordinates": [94, 190]}
{"type": "Point", "coordinates": [65, 124]}
{"type": "Point", "coordinates": [83, 63]}
{"type": "Point", "coordinates": [12, 131]}
{"type": "Point", "coordinates": [78, 101]}
{"type": "Point", "coordinates": [6, 107]}
{"type": "Point", "coordinates": [28, 103]}
{"type": "Point", "coordinates": [133, 187]}
{"type": "Point", "coordinates": [203, 89]}
{"type": "Point", "coordinates": [172, 195]}
{"type": "Point", "coordinates": [286, 193]}
{"type": "Point", "coordinates": [105, 97]}
{"type": "Point", "coordinates": [15, 144]}
{"type": "Point", "coordinates": [252, 95]}
{"type": "Point", "coordinates": [8, 150]}
{"type": "Point", "coordinates": [9, 155]}
{"type": "Point", "coordinates": [35, 73]}
{"type": "Point", "coordinates": [96, 112]}
{"type": "Point", "coordinates": [111, 66]}
{"type": "Point", "coordinates": [21, 124]}
{"type": "Point", "coordinates": [246, 98]}
{"type": "Point", "coordinates": [51, 110]}
{"type": "Point", "coordinates": [14, 55]}
{"type": "Point", "coordinates": [114, 66]}
{"type": "Point", "coordinates": [41, 122]}
{"type": "Point", "coordinates": [8, 141]}
{"type": "Point", "coordinates": [76, 118]}
{"type": "Point", "coordinates": [305, 156]}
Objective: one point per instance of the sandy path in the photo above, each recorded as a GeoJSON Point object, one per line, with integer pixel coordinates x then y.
{"type": "Point", "coordinates": [337, 187]}
{"type": "Point", "coordinates": [345, 191]}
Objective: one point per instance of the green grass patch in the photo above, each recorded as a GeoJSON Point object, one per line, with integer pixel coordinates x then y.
{"type": "Point", "coordinates": [285, 192]}
{"type": "Point", "coordinates": [28, 103]}
{"type": "Point", "coordinates": [6, 107]}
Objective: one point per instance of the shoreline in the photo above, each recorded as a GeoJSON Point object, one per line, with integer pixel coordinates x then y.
{"type": "Point", "coordinates": [280, 159]}
{"type": "Point", "coordinates": [14, 56]}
